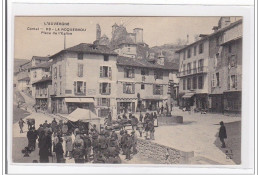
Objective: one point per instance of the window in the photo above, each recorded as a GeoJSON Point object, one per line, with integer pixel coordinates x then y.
{"type": "Point", "coordinates": [200, 82]}
{"type": "Point", "coordinates": [60, 70]}
{"type": "Point", "coordinates": [103, 102]}
{"type": "Point", "coordinates": [200, 65]}
{"type": "Point", "coordinates": [234, 81]}
{"type": "Point", "coordinates": [184, 83]}
{"type": "Point", "coordinates": [105, 88]}
{"type": "Point", "coordinates": [232, 61]}
{"type": "Point", "coordinates": [158, 74]}
{"type": "Point", "coordinates": [55, 72]}
{"type": "Point", "coordinates": [188, 83]}
{"type": "Point", "coordinates": [80, 70]}
{"type": "Point", "coordinates": [230, 48]}
{"type": "Point", "coordinates": [201, 48]}
{"type": "Point", "coordinates": [105, 71]}
{"type": "Point", "coordinates": [213, 81]}
{"type": "Point", "coordinates": [194, 83]}
{"type": "Point", "coordinates": [55, 88]}
{"type": "Point", "coordinates": [144, 72]}
{"type": "Point", "coordinates": [184, 69]}
{"type": "Point", "coordinates": [189, 53]}
{"type": "Point", "coordinates": [128, 88]}
{"type": "Point", "coordinates": [194, 66]}
{"type": "Point", "coordinates": [142, 86]}
{"type": "Point", "coordinates": [106, 58]}
{"type": "Point", "coordinates": [157, 89]}
{"type": "Point", "coordinates": [189, 68]}
{"type": "Point", "coordinates": [217, 78]}
{"type": "Point", "coordinates": [195, 50]}
{"type": "Point", "coordinates": [79, 87]}
{"type": "Point", "coordinates": [80, 56]}
{"type": "Point", "coordinates": [34, 74]}
{"type": "Point", "coordinates": [129, 73]}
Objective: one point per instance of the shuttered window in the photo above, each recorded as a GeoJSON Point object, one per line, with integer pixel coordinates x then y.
{"type": "Point", "coordinates": [157, 89]}
{"type": "Point", "coordinates": [129, 88]}
{"type": "Point", "coordinates": [105, 72]}
{"type": "Point", "coordinates": [79, 87]}
{"type": "Point", "coordinates": [105, 88]}
{"type": "Point", "coordinates": [129, 73]}
{"type": "Point", "coordinates": [80, 70]}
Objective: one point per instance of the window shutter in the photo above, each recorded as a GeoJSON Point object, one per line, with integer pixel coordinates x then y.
{"type": "Point", "coordinates": [228, 82]}
{"type": "Point", "coordinates": [154, 87]}
{"type": "Point", "coordinates": [133, 106]}
{"type": "Point", "coordinates": [108, 102]}
{"type": "Point", "coordinates": [125, 72]}
{"type": "Point", "coordinates": [161, 88]}
{"type": "Point", "coordinates": [101, 71]}
{"type": "Point", "coordinates": [109, 88]}
{"type": "Point", "coordinates": [133, 88]}
{"type": "Point", "coordinates": [75, 88]}
{"type": "Point", "coordinates": [124, 88]}
{"type": "Point", "coordinates": [100, 88]}
{"type": "Point", "coordinates": [236, 81]}
{"type": "Point", "coordinates": [82, 67]}
{"type": "Point", "coordinates": [84, 87]}
{"type": "Point", "coordinates": [110, 73]}
{"type": "Point", "coordinates": [133, 73]}
{"type": "Point", "coordinates": [99, 112]}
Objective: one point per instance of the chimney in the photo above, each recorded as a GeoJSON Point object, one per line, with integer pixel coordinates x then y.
{"type": "Point", "coordinates": [223, 22]}
{"type": "Point", "coordinates": [98, 32]}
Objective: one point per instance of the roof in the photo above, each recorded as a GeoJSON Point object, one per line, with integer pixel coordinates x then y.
{"type": "Point", "coordinates": [42, 65]}
{"type": "Point", "coordinates": [144, 63]}
{"type": "Point", "coordinates": [41, 58]}
{"type": "Point", "coordinates": [44, 79]}
{"type": "Point", "coordinates": [230, 41]}
{"type": "Point", "coordinates": [24, 79]}
{"type": "Point", "coordinates": [88, 48]}
{"type": "Point", "coordinates": [211, 35]}
{"type": "Point", "coordinates": [82, 114]}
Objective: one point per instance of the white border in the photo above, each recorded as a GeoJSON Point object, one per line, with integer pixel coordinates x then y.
{"type": "Point", "coordinates": [145, 10]}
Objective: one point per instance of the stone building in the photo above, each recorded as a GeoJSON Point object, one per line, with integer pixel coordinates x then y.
{"type": "Point", "coordinates": [210, 69]}
{"type": "Point", "coordinates": [193, 74]}
{"type": "Point", "coordinates": [84, 76]}
{"type": "Point", "coordinates": [226, 66]}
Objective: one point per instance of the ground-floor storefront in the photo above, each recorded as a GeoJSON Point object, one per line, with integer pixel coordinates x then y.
{"type": "Point", "coordinates": [65, 105]}
{"type": "Point", "coordinates": [42, 103]}
{"type": "Point", "coordinates": [193, 101]}
{"type": "Point", "coordinates": [216, 103]}
{"type": "Point", "coordinates": [232, 101]}
{"type": "Point", "coordinates": [126, 105]}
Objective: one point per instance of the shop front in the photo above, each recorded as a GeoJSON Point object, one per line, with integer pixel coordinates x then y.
{"type": "Point", "coordinates": [232, 101]}
{"type": "Point", "coordinates": [126, 106]}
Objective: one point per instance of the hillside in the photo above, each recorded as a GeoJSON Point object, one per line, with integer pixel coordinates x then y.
{"type": "Point", "coordinates": [169, 51]}
{"type": "Point", "coordinates": [18, 62]}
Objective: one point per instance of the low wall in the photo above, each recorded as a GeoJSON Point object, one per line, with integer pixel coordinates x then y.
{"type": "Point", "coordinates": [157, 152]}
{"type": "Point", "coordinates": [169, 120]}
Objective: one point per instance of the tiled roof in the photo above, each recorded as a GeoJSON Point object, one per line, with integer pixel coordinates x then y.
{"type": "Point", "coordinates": [126, 61]}
{"type": "Point", "coordinates": [42, 65]}
{"type": "Point", "coordinates": [212, 34]}
{"type": "Point", "coordinates": [24, 79]}
{"type": "Point", "coordinates": [88, 48]}
{"type": "Point", "coordinates": [41, 58]}
{"type": "Point", "coordinates": [44, 79]}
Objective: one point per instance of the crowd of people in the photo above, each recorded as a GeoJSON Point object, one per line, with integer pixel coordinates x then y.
{"type": "Point", "coordinates": [58, 140]}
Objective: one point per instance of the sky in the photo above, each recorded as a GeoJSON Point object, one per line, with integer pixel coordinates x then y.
{"type": "Point", "coordinates": [156, 31]}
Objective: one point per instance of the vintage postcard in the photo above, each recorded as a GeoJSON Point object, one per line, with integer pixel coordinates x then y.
{"type": "Point", "coordinates": [127, 90]}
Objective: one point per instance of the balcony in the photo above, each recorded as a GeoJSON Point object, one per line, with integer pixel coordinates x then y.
{"type": "Point", "coordinates": [198, 70]}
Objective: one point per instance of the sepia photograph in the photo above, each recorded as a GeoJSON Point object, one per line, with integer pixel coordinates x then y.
{"type": "Point", "coordinates": [127, 90]}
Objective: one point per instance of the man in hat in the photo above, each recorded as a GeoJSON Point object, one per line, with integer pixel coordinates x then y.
{"type": "Point", "coordinates": [134, 142]}
{"type": "Point", "coordinates": [59, 151]}
{"type": "Point", "coordinates": [87, 146]}
{"type": "Point", "coordinates": [102, 142]}
{"type": "Point", "coordinates": [45, 124]}
{"type": "Point", "coordinates": [21, 122]}
{"type": "Point", "coordinates": [222, 134]}
{"type": "Point", "coordinates": [113, 152]}
{"type": "Point", "coordinates": [94, 143]}
{"type": "Point", "coordinates": [123, 142]}
{"type": "Point", "coordinates": [128, 145]}
{"type": "Point", "coordinates": [114, 135]}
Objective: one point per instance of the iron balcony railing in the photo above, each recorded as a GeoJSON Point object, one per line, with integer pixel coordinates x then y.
{"type": "Point", "coordinates": [197, 70]}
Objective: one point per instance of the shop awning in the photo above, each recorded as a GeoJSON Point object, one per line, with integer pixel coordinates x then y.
{"type": "Point", "coordinates": [79, 100]}
{"type": "Point", "coordinates": [188, 95]}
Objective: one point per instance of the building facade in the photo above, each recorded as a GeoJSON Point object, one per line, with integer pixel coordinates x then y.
{"type": "Point", "coordinates": [226, 67]}
{"type": "Point", "coordinates": [193, 75]}
{"type": "Point", "coordinates": [84, 76]}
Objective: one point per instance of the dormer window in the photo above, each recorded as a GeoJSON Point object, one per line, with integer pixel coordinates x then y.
{"type": "Point", "coordinates": [80, 56]}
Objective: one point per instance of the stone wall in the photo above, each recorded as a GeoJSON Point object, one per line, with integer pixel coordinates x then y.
{"type": "Point", "coordinates": [169, 120]}
{"type": "Point", "coordinates": [157, 152]}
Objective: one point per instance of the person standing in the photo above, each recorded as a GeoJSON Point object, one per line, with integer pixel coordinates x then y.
{"type": "Point", "coordinates": [30, 139]}
{"type": "Point", "coordinates": [134, 122]}
{"type": "Point", "coordinates": [141, 117]}
{"type": "Point", "coordinates": [151, 129]}
{"type": "Point", "coordinates": [59, 151]}
{"type": "Point", "coordinates": [34, 138]}
{"type": "Point", "coordinates": [134, 142]}
{"type": "Point", "coordinates": [43, 148]}
{"type": "Point", "coordinates": [87, 147]}
{"type": "Point", "coordinates": [21, 122]}
{"type": "Point", "coordinates": [68, 146]}
{"type": "Point", "coordinates": [222, 134]}
{"type": "Point", "coordinates": [128, 146]}
{"type": "Point", "coordinates": [162, 109]}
